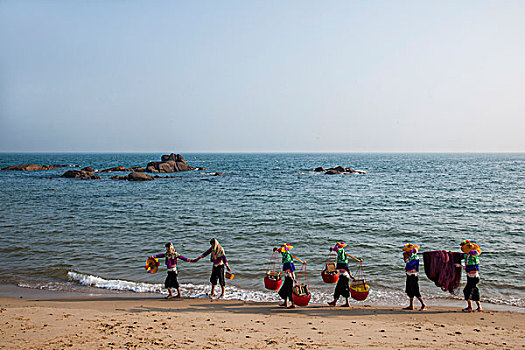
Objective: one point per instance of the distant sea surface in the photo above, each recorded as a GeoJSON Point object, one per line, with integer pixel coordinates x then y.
{"type": "Point", "coordinates": [73, 235]}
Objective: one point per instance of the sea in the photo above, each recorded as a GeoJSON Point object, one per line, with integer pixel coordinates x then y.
{"type": "Point", "coordinates": [84, 236]}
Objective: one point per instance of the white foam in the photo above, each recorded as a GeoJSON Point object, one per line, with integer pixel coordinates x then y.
{"type": "Point", "coordinates": [378, 296]}
{"type": "Point", "coordinates": [187, 289]}
{"type": "Point", "coordinates": [319, 296]}
{"type": "Point", "coordinates": [99, 282]}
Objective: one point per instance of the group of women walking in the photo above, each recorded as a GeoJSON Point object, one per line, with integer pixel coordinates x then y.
{"type": "Point", "coordinates": [343, 283]}
{"type": "Point", "coordinates": [471, 252]}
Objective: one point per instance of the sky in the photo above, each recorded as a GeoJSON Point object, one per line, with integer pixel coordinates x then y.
{"type": "Point", "coordinates": [262, 76]}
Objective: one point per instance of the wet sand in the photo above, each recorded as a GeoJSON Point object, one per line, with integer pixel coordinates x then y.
{"type": "Point", "coordinates": [101, 322]}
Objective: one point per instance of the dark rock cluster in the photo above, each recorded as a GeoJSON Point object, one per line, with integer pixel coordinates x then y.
{"type": "Point", "coordinates": [35, 167]}
{"type": "Point", "coordinates": [134, 176]}
{"type": "Point", "coordinates": [81, 174]}
{"type": "Point", "coordinates": [139, 176]}
{"type": "Point", "coordinates": [339, 170]}
{"type": "Point", "coordinates": [169, 164]}
{"type": "Point", "coordinates": [117, 168]}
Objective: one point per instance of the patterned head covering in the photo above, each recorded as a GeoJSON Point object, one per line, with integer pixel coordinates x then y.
{"type": "Point", "coordinates": [341, 244]}
{"type": "Point", "coordinates": [469, 246]}
{"type": "Point", "coordinates": [217, 251]}
{"type": "Point", "coordinates": [409, 246]}
{"type": "Point", "coordinates": [285, 247]}
{"type": "Point", "coordinates": [171, 253]}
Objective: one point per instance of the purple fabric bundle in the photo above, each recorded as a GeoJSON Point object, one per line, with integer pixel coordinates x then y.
{"type": "Point", "coordinates": [440, 267]}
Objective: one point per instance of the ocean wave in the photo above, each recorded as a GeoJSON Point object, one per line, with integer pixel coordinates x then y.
{"type": "Point", "coordinates": [99, 282]}
{"type": "Point", "coordinates": [319, 296]}
{"type": "Point", "coordinates": [187, 289]}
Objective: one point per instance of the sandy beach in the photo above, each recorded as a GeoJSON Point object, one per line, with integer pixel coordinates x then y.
{"type": "Point", "coordinates": [155, 323]}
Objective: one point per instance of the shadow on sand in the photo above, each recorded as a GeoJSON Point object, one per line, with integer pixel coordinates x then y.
{"type": "Point", "coordinates": [154, 304]}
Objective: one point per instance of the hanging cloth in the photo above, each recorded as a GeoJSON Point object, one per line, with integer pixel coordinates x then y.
{"type": "Point", "coordinates": [440, 268]}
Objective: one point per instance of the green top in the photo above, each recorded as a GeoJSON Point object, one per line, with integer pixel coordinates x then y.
{"type": "Point", "coordinates": [287, 257]}
{"type": "Point", "coordinates": [471, 259]}
{"type": "Point", "coordinates": [341, 256]}
{"type": "Point", "coordinates": [413, 257]}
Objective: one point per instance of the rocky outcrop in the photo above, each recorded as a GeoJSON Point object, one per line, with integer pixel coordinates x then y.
{"type": "Point", "coordinates": [169, 164]}
{"type": "Point", "coordinates": [134, 176]}
{"type": "Point", "coordinates": [117, 168]}
{"type": "Point", "coordinates": [35, 167]}
{"type": "Point", "coordinates": [139, 176]}
{"type": "Point", "coordinates": [88, 168]}
{"type": "Point", "coordinates": [340, 170]}
{"type": "Point", "coordinates": [82, 174]}
{"type": "Point", "coordinates": [332, 172]}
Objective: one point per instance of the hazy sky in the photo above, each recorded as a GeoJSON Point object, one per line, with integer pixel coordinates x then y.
{"type": "Point", "coordinates": [250, 76]}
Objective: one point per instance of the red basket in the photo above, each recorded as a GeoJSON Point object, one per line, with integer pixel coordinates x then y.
{"type": "Point", "coordinates": [301, 300]}
{"type": "Point", "coordinates": [300, 293]}
{"type": "Point", "coordinates": [276, 282]}
{"type": "Point", "coordinates": [359, 289]}
{"type": "Point", "coordinates": [358, 295]}
{"type": "Point", "coordinates": [272, 284]}
{"type": "Point", "coordinates": [330, 277]}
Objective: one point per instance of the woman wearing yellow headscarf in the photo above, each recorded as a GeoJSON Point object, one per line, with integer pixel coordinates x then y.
{"type": "Point", "coordinates": [218, 258]}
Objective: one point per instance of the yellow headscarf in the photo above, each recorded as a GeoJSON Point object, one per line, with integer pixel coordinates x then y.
{"type": "Point", "coordinates": [217, 251]}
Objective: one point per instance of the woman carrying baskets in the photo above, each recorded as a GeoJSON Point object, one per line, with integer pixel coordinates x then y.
{"type": "Point", "coordinates": [342, 288]}
{"type": "Point", "coordinates": [412, 280]}
{"type": "Point", "coordinates": [471, 256]}
{"type": "Point", "coordinates": [286, 291]}
{"type": "Point", "coordinates": [218, 258]}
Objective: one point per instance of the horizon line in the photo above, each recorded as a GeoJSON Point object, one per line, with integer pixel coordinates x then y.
{"type": "Point", "coordinates": [270, 152]}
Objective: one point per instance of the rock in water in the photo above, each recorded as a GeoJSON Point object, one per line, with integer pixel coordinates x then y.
{"type": "Point", "coordinates": [169, 164]}
{"type": "Point", "coordinates": [341, 170]}
{"type": "Point", "coordinates": [82, 174]}
{"type": "Point", "coordinates": [117, 168]}
{"type": "Point", "coordinates": [33, 167]}
{"type": "Point", "coordinates": [139, 176]}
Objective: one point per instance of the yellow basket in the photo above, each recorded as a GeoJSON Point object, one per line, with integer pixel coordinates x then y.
{"type": "Point", "coordinates": [229, 275]}
{"type": "Point", "coordinates": [360, 287]}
